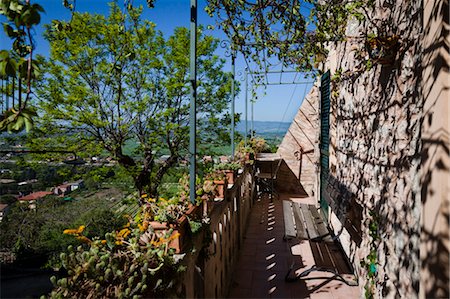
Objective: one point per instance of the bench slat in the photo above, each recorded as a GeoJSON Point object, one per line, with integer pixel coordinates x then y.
{"type": "Point", "coordinates": [309, 221]}
{"type": "Point", "coordinates": [299, 222]}
{"type": "Point", "coordinates": [289, 226]}
{"type": "Point", "coordinates": [321, 227]}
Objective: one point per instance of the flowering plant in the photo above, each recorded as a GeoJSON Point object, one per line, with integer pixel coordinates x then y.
{"type": "Point", "coordinates": [132, 262]}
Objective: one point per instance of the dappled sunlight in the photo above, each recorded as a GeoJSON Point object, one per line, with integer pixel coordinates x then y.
{"type": "Point", "coordinates": [265, 259]}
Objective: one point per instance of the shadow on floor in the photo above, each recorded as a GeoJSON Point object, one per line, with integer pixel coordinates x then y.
{"type": "Point", "coordinates": [265, 259]}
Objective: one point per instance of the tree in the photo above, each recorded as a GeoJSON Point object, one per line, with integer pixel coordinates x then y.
{"type": "Point", "coordinates": [18, 64]}
{"type": "Point", "coordinates": [40, 231]}
{"type": "Point", "coordinates": [115, 80]}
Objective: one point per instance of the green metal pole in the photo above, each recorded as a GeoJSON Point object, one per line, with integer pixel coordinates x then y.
{"type": "Point", "coordinates": [246, 106]}
{"type": "Point", "coordinates": [252, 128]}
{"type": "Point", "coordinates": [193, 96]}
{"type": "Point", "coordinates": [233, 71]}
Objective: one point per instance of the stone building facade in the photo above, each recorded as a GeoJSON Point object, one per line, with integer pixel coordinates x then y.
{"type": "Point", "coordinates": [388, 182]}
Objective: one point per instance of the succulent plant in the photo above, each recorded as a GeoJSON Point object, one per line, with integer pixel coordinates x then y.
{"type": "Point", "coordinates": [120, 266]}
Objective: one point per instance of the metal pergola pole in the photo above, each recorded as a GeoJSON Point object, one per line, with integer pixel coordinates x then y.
{"type": "Point", "coordinates": [233, 71]}
{"type": "Point", "coordinates": [246, 108]}
{"type": "Point", "coordinates": [252, 128]}
{"type": "Point", "coordinates": [193, 101]}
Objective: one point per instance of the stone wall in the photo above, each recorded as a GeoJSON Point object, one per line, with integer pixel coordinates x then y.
{"type": "Point", "coordinates": [389, 149]}
{"type": "Point", "coordinates": [375, 147]}
{"type": "Point", "coordinates": [299, 149]}
{"type": "Point", "coordinates": [209, 273]}
{"type": "Point", "coordinates": [435, 170]}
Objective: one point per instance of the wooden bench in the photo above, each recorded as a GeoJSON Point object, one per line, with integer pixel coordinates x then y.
{"type": "Point", "coordinates": [304, 222]}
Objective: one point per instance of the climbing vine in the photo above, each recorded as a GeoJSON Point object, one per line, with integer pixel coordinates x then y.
{"type": "Point", "coordinates": [293, 32]}
{"type": "Point", "coordinates": [371, 261]}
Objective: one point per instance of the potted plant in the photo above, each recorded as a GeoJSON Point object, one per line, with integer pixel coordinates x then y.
{"type": "Point", "coordinates": [259, 145]}
{"type": "Point", "coordinates": [107, 267]}
{"type": "Point", "coordinates": [230, 170]}
{"type": "Point", "coordinates": [220, 182]}
{"type": "Point", "coordinates": [205, 192]}
{"type": "Point", "coordinates": [170, 216]}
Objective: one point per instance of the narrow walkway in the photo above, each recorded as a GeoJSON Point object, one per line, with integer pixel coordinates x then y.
{"type": "Point", "coordinates": [265, 259]}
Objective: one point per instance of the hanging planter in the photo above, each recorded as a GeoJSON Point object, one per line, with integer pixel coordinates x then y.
{"type": "Point", "coordinates": [383, 49]}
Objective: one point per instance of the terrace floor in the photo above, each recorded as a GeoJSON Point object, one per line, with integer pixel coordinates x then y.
{"type": "Point", "coordinates": [265, 259]}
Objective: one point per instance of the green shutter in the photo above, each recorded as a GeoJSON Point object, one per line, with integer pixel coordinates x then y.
{"type": "Point", "coordinates": [324, 139]}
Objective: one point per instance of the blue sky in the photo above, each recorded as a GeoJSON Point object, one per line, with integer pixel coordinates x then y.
{"type": "Point", "coordinates": [276, 103]}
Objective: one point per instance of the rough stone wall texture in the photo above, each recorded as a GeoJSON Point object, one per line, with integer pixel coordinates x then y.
{"type": "Point", "coordinates": [389, 149]}
{"type": "Point", "coordinates": [299, 148]}
{"type": "Point", "coordinates": [435, 170]}
{"type": "Point", "coordinates": [375, 146]}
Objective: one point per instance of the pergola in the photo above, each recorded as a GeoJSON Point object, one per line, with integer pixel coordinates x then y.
{"type": "Point", "coordinates": [258, 78]}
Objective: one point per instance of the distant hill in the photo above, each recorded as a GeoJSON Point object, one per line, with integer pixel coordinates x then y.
{"type": "Point", "coordinates": [265, 128]}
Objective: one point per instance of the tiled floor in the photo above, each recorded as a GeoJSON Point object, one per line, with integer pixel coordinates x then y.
{"type": "Point", "coordinates": [265, 259]}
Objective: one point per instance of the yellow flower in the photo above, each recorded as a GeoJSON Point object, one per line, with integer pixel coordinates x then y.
{"type": "Point", "coordinates": [160, 242]}
{"type": "Point", "coordinates": [84, 239]}
{"type": "Point", "coordinates": [81, 229]}
{"type": "Point", "coordinates": [70, 232]}
{"type": "Point", "coordinates": [173, 237]}
{"type": "Point", "coordinates": [144, 226]}
{"type": "Point", "coordinates": [124, 233]}
{"type": "Point", "coordinates": [144, 195]}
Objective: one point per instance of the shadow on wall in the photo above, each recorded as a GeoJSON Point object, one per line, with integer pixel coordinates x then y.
{"type": "Point", "coordinates": [343, 203]}
{"type": "Point", "coordinates": [375, 153]}
{"type": "Point", "coordinates": [287, 181]}
{"type": "Point", "coordinates": [435, 154]}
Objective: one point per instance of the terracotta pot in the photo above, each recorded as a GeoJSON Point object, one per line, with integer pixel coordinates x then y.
{"type": "Point", "coordinates": [220, 188]}
{"type": "Point", "coordinates": [182, 228]}
{"type": "Point", "coordinates": [194, 212]}
{"type": "Point", "coordinates": [208, 206]}
{"type": "Point", "coordinates": [230, 176]}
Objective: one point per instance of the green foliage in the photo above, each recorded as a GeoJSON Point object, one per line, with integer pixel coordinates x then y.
{"type": "Point", "coordinates": [294, 32]}
{"type": "Point", "coordinates": [116, 79]}
{"type": "Point", "coordinates": [100, 220]}
{"type": "Point", "coordinates": [134, 262]}
{"type": "Point", "coordinates": [169, 210]}
{"type": "Point", "coordinates": [18, 63]}
{"type": "Point", "coordinates": [371, 261]}
{"type": "Point", "coordinates": [8, 199]}
{"type": "Point", "coordinates": [228, 166]}
{"type": "Point", "coordinates": [31, 232]}
{"type": "Point", "coordinates": [254, 145]}
{"type": "Point", "coordinates": [205, 188]}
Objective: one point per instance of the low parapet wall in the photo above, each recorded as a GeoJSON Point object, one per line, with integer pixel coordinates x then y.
{"type": "Point", "coordinates": [209, 273]}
